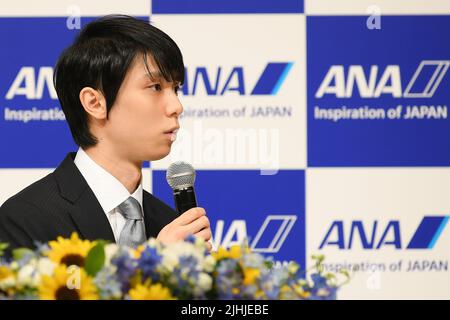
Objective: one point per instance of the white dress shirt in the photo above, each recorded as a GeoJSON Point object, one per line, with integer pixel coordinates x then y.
{"type": "Point", "coordinates": [108, 190]}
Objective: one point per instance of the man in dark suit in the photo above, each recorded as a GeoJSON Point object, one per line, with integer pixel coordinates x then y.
{"type": "Point", "coordinates": [117, 85]}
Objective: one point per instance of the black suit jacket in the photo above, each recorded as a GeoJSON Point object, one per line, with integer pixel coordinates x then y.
{"type": "Point", "coordinates": [61, 203]}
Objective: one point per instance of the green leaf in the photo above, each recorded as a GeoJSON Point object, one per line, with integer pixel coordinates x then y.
{"type": "Point", "coordinates": [95, 259]}
{"type": "Point", "coordinates": [3, 247]}
{"type": "Point", "coordinates": [269, 264]}
{"type": "Point", "coordinates": [318, 257]}
{"type": "Point", "coordinates": [330, 276]}
{"type": "Point", "coordinates": [345, 272]}
{"type": "Point", "coordinates": [19, 253]}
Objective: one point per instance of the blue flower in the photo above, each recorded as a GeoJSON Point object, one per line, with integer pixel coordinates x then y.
{"type": "Point", "coordinates": [279, 275]}
{"type": "Point", "coordinates": [249, 292]}
{"type": "Point", "coordinates": [224, 287]}
{"type": "Point", "coordinates": [323, 293]}
{"type": "Point", "coordinates": [126, 268]}
{"type": "Point", "coordinates": [107, 283]}
{"type": "Point", "coordinates": [270, 288]}
{"type": "Point", "coordinates": [148, 263]}
{"type": "Point", "coordinates": [42, 248]}
{"type": "Point", "coordinates": [319, 280]}
{"type": "Point", "coordinates": [185, 277]}
{"type": "Point", "coordinates": [228, 277]}
{"type": "Point", "coordinates": [188, 263]}
{"type": "Point", "coordinates": [253, 260]}
{"type": "Point", "coordinates": [191, 239]}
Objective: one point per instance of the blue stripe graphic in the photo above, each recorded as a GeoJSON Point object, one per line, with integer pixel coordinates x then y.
{"type": "Point", "coordinates": [428, 232]}
{"type": "Point", "coordinates": [281, 79]}
{"type": "Point", "coordinates": [438, 233]}
{"type": "Point", "coordinates": [226, 6]}
{"type": "Point", "coordinates": [271, 79]}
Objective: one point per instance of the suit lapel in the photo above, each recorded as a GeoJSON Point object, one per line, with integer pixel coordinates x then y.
{"type": "Point", "coordinates": [85, 209]}
{"type": "Point", "coordinates": [152, 226]}
{"type": "Point", "coordinates": [90, 218]}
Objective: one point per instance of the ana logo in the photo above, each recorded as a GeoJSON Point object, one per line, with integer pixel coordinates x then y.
{"type": "Point", "coordinates": [237, 233]}
{"type": "Point", "coordinates": [32, 84]}
{"type": "Point", "coordinates": [423, 83]}
{"type": "Point", "coordinates": [425, 237]}
{"type": "Point", "coordinates": [219, 82]}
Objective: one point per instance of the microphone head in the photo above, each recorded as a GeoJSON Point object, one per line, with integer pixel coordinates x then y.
{"type": "Point", "coordinates": [180, 175]}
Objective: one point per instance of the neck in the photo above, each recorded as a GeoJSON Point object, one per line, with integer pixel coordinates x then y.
{"type": "Point", "coordinates": [126, 171]}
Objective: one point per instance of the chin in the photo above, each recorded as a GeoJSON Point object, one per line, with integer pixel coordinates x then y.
{"type": "Point", "coordinates": [155, 156]}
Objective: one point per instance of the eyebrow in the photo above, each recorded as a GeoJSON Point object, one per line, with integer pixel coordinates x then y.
{"type": "Point", "coordinates": [153, 75]}
{"type": "Point", "coordinates": [157, 76]}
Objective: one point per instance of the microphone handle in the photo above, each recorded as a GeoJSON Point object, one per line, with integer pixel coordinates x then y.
{"type": "Point", "coordinates": [184, 199]}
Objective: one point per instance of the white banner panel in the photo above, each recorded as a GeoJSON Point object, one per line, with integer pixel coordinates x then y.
{"type": "Point", "coordinates": [388, 224]}
{"type": "Point", "coordinates": [14, 180]}
{"type": "Point", "coordinates": [244, 98]}
{"type": "Point", "coordinates": [52, 8]}
{"type": "Point", "coordinates": [362, 7]}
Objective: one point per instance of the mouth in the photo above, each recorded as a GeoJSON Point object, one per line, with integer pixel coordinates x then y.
{"type": "Point", "coordinates": [172, 133]}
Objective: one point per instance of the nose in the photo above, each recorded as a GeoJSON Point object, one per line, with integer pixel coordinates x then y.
{"type": "Point", "coordinates": [174, 106]}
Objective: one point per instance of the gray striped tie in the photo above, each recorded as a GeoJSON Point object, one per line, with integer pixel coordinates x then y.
{"type": "Point", "coordinates": [133, 233]}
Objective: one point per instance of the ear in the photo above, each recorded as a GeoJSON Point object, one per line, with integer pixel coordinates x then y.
{"type": "Point", "coordinates": [93, 102]}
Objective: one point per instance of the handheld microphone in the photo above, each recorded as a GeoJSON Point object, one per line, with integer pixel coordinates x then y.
{"type": "Point", "coordinates": [181, 177]}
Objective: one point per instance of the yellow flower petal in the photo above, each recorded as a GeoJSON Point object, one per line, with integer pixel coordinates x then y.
{"type": "Point", "coordinates": [250, 275]}
{"type": "Point", "coordinates": [58, 286]}
{"type": "Point", "coordinates": [151, 292]}
{"type": "Point", "coordinates": [71, 251]}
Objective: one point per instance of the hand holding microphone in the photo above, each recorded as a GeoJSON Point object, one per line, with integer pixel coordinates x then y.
{"type": "Point", "coordinates": [192, 220]}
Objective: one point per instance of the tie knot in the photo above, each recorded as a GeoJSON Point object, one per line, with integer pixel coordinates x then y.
{"type": "Point", "coordinates": [131, 209]}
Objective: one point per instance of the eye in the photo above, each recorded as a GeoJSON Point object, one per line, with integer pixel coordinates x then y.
{"type": "Point", "coordinates": [156, 87]}
{"type": "Point", "coordinates": [176, 88]}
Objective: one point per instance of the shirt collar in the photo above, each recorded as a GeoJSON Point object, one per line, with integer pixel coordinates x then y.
{"type": "Point", "coordinates": [109, 191]}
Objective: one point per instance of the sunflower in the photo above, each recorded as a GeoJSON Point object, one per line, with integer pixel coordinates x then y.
{"type": "Point", "coordinates": [235, 252]}
{"type": "Point", "coordinates": [7, 278]}
{"type": "Point", "coordinates": [301, 292]}
{"type": "Point", "coordinates": [250, 275]}
{"type": "Point", "coordinates": [5, 273]}
{"type": "Point", "coordinates": [67, 285]}
{"type": "Point", "coordinates": [151, 292]}
{"type": "Point", "coordinates": [71, 251]}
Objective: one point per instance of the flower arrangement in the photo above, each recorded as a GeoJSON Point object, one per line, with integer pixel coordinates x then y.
{"type": "Point", "coordinates": [78, 269]}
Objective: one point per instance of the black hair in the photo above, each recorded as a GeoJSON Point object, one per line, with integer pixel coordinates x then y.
{"type": "Point", "coordinates": [100, 57]}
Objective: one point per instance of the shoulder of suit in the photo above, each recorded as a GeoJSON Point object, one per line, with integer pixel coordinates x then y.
{"type": "Point", "coordinates": [37, 193]}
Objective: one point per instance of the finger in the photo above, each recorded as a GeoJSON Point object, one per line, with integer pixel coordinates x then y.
{"type": "Point", "coordinates": [208, 246]}
{"type": "Point", "coordinates": [190, 216]}
{"type": "Point", "coordinates": [205, 234]}
{"type": "Point", "coordinates": [197, 225]}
